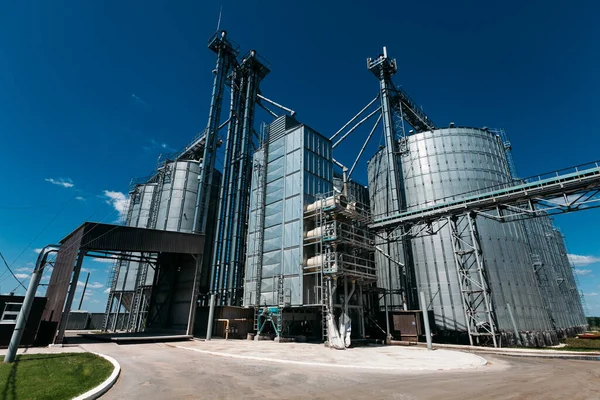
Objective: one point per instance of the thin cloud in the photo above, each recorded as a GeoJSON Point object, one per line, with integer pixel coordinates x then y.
{"type": "Point", "coordinates": [107, 290]}
{"type": "Point", "coordinates": [591, 294]}
{"type": "Point", "coordinates": [38, 250]}
{"type": "Point", "coordinates": [21, 276]}
{"type": "Point", "coordinates": [87, 270]}
{"type": "Point", "coordinates": [582, 272]}
{"type": "Point", "coordinates": [119, 201]}
{"type": "Point", "coordinates": [79, 198]}
{"type": "Point", "coordinates": [66, 183]}
{"type": "Point", "coordinates": [581, 261]}
{"type": "Point", "coordinates": [156, 145]}
{"type": "Point", "coordinates": [23, 269]}
{"type": "Point", "coordinates": [92, 285]}
{"type": "Point", "coordinates": [110, 260]}
{"type": "Point", "coordinates": [137, 99]}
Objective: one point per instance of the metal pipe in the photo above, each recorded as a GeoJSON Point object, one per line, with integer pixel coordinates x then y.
{"type": "Point", "coordinates": [390, 140]}
{"type": "Point", "coordinates": [359, 123]}
{"type": "Point", "coordinates": [194, 299]}
{"type": "Point", "coordinates": [267, 109]}
{"type": "Point", "coordinates": [211, 314]}
{"type": "Point", "coordinates": [512, 319]}
{"type": "Point", "coordinates": [388, 337]}
{"type": "Point", "coordinates": [346, 295]}
{"type": "Point", "coordinates": [226, 327]}
{"type": "Point", "coordinates": [292, 112]}
{"type": "Point", "coordinates": [426, 320]}
{"type": "Point", "coordinates": [354, 118]}
{"type": "Point", "coordinates": [361, 311]}
{"type": "Point", "coordinates": [224, 57]}
{"type": "Point", "coordinates": [21, 322]}
{"type": "Point", "coordinates": [360, 153]}
{"type": "Point", "coordinates": [242, 188]}
{"type": "Point", "coordinates": [345, 180]}
{"type": "Point", "coordinates": [339, 164]}
{"type": "Point", "coordinates": [84, 288]}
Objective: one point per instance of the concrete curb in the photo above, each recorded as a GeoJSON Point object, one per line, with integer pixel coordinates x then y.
{"type": "Point", "coordinates": [555, 356]}
{"type": "Point", "coordinates": [518, 352]}
{"type": "Point", "coordinates": [99, 390]}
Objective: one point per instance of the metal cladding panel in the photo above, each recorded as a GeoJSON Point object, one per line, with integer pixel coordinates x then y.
{"type": "Point", "coordinates": [178, 196]}
{"type": "Point", "coordinates": [98, 236]}
{"type": "Point", "coordinates": [448, 164]}
{"type": "Point", "coordinates": [298, 168]}
{"type": "Point", "coordinates": [569, 272]}
{"type": "Point", "coordinates": [61, 276]}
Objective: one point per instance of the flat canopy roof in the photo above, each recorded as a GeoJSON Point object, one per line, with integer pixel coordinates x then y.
{"type": "Point", "coordinates": [94, 236]}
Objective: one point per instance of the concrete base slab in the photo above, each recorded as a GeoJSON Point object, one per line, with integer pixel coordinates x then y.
{"type": "Point", "coordinates": [381, 358]}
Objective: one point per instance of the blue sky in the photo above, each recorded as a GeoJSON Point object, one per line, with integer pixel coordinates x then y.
{"type": "Point", "coordinates": [92, 92]}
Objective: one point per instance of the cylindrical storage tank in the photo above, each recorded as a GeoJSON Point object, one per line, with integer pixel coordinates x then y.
{"type": "Point", "coordinates": [390, 274]}
{"type": "Point", "coordinates": [141, 200]}
{"type": "Point", "coordinates": [566, 282]}
{"type": "Point", "coordinates": [448, 164]}
{"type": "Point", "coordinates": [441, 166]}
{"type": "Point", "coordinates": [544, 263]}
{"type": "Point", "coordinates": [178, 196]}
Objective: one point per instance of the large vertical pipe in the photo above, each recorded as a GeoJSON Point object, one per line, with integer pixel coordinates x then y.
{"type": "Point", "coordinates": [244, 168]}
{"type": "Point", "coordinates": [390, 139]}
{"type": "Point", "coordinates": [211, 315]}
{"type": "Point", "coordinates": [72, 289]}
{"type": "Point", "coordinates": [223, 234]}
{"type": "Point", "coordinates": [21, 323]}
{"type": "Point", "coordinates": [208, 160]}
{"type": "Point", "coordinates": [426, 320]}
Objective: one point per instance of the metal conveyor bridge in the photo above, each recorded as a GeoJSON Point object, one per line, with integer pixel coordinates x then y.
{"type": "Point", "coordinates": [567, 190]}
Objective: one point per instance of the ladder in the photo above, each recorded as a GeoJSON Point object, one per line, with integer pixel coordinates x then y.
{"type": "Point", "coordinates": [280, 302]}
{"type": "Point", "coordinates": [136, 303]}
{"type": "Point", "coordinates": [113, 276]}
{"type": "Point", "coordinates": [154, 204]}
{"type": "Point", "coordinates": [259, 223]}
{"type": "Point", "coordinates": [324, 309]}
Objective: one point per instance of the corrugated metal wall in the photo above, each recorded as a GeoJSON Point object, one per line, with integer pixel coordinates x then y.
{"type": "Point", "coordinates": [298, 168]}
{"type": "Point", "coordinates": [444, 165]}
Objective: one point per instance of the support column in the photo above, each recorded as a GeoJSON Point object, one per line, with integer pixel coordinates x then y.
{"type": "Point", "coordinates": [72, 289]}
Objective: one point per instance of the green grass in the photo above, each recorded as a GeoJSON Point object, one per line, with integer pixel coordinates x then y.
{"type": "Point", "coordinates": [52, 376]}
{"type": "Point", "coordinates": [575, 344]}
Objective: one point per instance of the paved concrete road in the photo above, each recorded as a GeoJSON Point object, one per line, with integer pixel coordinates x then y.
{"type": "Point", "coordinates": [161, 371]}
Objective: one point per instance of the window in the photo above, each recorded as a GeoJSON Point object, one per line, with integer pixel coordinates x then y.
{"type": "Point", "coordinates": [11, 311]}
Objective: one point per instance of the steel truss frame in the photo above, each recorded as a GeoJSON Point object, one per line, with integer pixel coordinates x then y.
{"type": "Point", "coordinates": [473, 282]}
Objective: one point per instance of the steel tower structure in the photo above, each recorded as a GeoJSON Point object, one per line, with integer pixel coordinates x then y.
{"type": "Point", "coordinates": [230, 240]}
{"type": "Point", "coordinates": [383, 68]}
{"type": "Point", "coordinates": [226, 58]}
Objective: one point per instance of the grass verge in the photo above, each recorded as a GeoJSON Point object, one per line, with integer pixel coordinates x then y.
{"type": "Point", "coordinates": [52, 376]}
{"type": "Point", "coordinates": [575, 344]}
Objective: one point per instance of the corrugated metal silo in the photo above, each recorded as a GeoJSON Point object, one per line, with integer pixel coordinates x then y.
{"type": "Point", "coordinates": [178, 196]}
